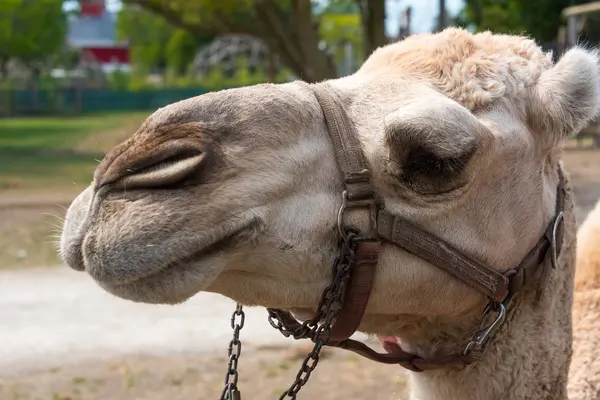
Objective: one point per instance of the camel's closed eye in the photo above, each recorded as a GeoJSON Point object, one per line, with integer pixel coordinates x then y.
{"type": "Point", "coordinates": [431, 143]}
{"type": "Point", "coordinates": [428, 173]}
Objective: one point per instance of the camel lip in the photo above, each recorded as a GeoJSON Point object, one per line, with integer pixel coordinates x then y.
{"type": "Point", "coordinates": [225, 242]}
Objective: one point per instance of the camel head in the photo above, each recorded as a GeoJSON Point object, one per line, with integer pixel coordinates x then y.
{"type": "Point", "coordinates": [236, 192]}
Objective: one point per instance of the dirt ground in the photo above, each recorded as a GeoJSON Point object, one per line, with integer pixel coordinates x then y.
{"type": "Point", "coordinates": [583, 166]}
{"type": "Point", "coordinates": [264, 374]}
{"type": "Point", "coordinates": [264, 371]}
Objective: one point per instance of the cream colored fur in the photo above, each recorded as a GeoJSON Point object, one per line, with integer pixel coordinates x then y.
{"type": "Point", "coordinates": [584, 375]}
{"type": "Point", "coordinates": [250, 213]}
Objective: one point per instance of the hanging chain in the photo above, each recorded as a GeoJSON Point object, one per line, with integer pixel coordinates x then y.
{"type": "Point", "coordinates": [231, 391]}
{"type": "Point", "coordinates": [318, 328]}
{"type": "Point", "coordinates": [330, 303]}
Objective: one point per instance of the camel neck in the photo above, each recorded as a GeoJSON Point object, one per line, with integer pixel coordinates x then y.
{"type": "Point", "coordinates": [528, 358]}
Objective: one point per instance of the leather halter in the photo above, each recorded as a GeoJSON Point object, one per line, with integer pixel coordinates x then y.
{"type": "Point", "coordinates": [498, 287]}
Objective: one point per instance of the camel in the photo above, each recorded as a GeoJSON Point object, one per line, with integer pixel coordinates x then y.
{"type": "Point", "coordinates": [584, 375]}
{"type": "Point", "coordinates": [237, 192]}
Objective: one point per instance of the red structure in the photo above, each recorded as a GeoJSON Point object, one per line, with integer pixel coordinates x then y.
{"type": "Point", "coordinates": [92, 8]}
{"type": "Point", "coordinates": [108, 55]}
{"type": "Point", "coordinates": [94, 32]}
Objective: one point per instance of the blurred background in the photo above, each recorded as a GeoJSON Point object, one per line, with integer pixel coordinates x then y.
{"type": "Point", "coordinates": [78, 77]}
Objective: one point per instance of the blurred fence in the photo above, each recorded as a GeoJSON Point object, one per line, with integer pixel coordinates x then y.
{"type": "Point", "coordinates": [76, 101]}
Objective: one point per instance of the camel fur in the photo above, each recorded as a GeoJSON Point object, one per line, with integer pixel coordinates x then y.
{"type": "Point", "coordinates": [584, 375]}
{"type": "Point", "coordinates": [236, 192]}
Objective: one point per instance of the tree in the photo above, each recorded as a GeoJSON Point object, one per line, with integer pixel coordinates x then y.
{"type": "Point", "coordinates": [289, 27]}
{"type": "Point", "coordinates": [500, 16]}
{"type": "Point", "coordinates": [154, 43]}
{"type": "Point", "coordinates": [30, 31]}
{"type": "Point", "coordinates": [539, 19]}
{"type": "Point", "coordinates": [181, 50]}
{"type": "Point", "coordinates": [372, 14]}
{"type": "Point", "coordinates": [442, 15]}
{"type": "Point", "coordinates": [340, 24]}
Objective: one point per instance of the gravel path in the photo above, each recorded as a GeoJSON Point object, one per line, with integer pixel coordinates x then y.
{"type": "Point", "coordinates": [54, 316]}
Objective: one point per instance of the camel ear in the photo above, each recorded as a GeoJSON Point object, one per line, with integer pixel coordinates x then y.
{"type": "Point", "coordinates": [567, 96]}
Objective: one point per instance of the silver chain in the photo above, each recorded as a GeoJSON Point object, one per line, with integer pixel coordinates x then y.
{"type": "Point", "coordinates": [318, 328]}
{"type": "Point", "coordinates": [231, 391]}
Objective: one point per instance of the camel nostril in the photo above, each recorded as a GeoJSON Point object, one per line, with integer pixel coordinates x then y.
{"type": "Point", "coordinates": [148, 166]}
{"type": "Point", "coordinates": [165, 164]}
{"type": "Point", "coordinates": [165, 171]}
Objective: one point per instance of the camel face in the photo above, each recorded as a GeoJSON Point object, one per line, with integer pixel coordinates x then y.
{"type": "Point", "coordinates": [224, 178]}
{"type": "Point", "coordinates": [236, 192]}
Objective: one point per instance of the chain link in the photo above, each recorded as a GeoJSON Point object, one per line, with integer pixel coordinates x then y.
{"type": "Point", "coordinates": [230, 390]}
{"type": "Point", "coordinates": [318, 328]}
{"type": "Point", "coordinates": [331, 301]}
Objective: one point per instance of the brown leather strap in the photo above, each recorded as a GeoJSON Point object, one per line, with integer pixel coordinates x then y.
{"type": "Point", "coordinates": [346, 145]}
{"type": "Point", "coordinates": [355, 173]}
{"type": "Point", "coordinates": [358, 291]}
{"type": "Point", "coordinates": [495, 285]}
{"type": "Point", "coordinates": [491, 283]}
{"type": "Point", "coordinates": [356, 177]}
{"type": "Point", "coordinates": [443, 255]}
{"type": "Point", "coordinates": [395, 355]}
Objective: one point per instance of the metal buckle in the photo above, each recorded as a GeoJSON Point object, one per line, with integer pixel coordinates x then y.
{"type": "Point", "coordinates": [481, 337]}
{"type": "Point", "coordinates": [346, 204]}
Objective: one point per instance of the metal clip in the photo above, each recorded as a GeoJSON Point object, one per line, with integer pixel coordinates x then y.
{"type": "Point", "coordinates": [483, 334]}
{"type": "Point", "coordinates": [340, 215]}
{"type": "Point", "coordinates": [235, 394]}
{"type": "Point", "coordinates": [366, 203]}
{"type": "Point", "coordinates": [557, 222]}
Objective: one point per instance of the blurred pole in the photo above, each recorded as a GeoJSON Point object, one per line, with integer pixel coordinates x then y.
{"type": "Point", "coordinates": [272, 69]}
{"type": "Point", "coordinates": [571, 31]}
{"type": "Point", "coordinates": [442, 17]}
{"type": "Point", "coordinates": [405, 17]}
{"type": "Point", "coordinates": [348, 55]}
{"type": "Point", "coordinates": [346, 65]}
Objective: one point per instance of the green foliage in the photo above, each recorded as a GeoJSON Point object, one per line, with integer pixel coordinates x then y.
{"type": "Point", "coordinates": [66, 57]}
{"type": "Point", "coordinates": [292, 35]}
{"type": "Point", "coordinates": [147, 35]}
{"type": "Point", "coordinates": [214, 80]}
{"type": "Point", "coordinates": [137, 78]}
{"type": "Point", "coordinates": [540, 18]}
{"type": "Point", "coordinates": [210, 15]}
{"type": "Point", "coordinates": [343, 7]}
{"type": "Point", "coordinates": [336, 29]}
{"type": "Point", "coordinates": [155, 45]}
{"type": "Point", "coordinates": [500, 16]}
{"type": "Point", "coordinates": [119, 80]}
{"type": "Point", "coordinates": [181, 50]}
{"type": "Point", "coordinates": [31, 30]}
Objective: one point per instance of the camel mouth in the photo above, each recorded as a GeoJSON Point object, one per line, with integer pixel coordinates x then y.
{"type": "Point", "coordinates": [177, 281]}
{"type": "Point", "coordinates": [182, 266]}
{"type": "Point", "coordinates": [223, 244]}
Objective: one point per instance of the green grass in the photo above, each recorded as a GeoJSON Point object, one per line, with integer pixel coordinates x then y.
{"type": "Point", "coordinates": [57, 151]}
{"type": "Point", "coordinates": [45, 162]}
